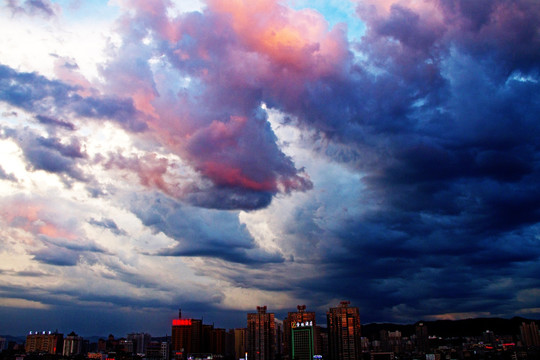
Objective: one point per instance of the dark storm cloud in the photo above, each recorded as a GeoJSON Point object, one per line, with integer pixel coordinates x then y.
{"type": "Point", "coordinates": [108, 224]}
{"type": "Point", "coordinates": [437, 113]}
{"type": "Point", "coordinates": [199, 232]}
{"type": "Point", "coordinates": [226, 198]}
{"type": "Point", "coordinates": [52, 98]}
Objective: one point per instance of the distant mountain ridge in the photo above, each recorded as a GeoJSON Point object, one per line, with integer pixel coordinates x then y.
{"type": "Point", "coordinates": [452, 328]}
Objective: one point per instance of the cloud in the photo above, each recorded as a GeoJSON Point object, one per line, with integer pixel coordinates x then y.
{"type": "Point", "coordinates": [50, 154]}
{"type": "Point", "coordinates": [7, 176]}
{"type": "Point", "coordinates": [54, 255]}
{"type": "Point", "coordinates": [428, 107]}
{"type": "Point", "coordinates": [35, 93]}
{"type": "Point", "coordinates": [108, 224]}
{"type": "Point", "coordinates": [22, 303]}
{"type": "Point", "coordinates": [222, 132]}
{"type": "Point", "coordinates": [54, 122]}
{"type": "Point", "coordinates": [43, 8]}
{"type": "Point", "coordinates": [405, 159]}
{"type": "Point", "coordinates": [201, 232]}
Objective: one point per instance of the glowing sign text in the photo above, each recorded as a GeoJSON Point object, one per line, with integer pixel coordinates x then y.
{"type": "Point", "coordinates": [181, 322]}
{"type": "Point", "coordinates": [301, 324]}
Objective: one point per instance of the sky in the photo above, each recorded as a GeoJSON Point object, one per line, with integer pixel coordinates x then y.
{"type": "Point", "coordinates": [219, 155]}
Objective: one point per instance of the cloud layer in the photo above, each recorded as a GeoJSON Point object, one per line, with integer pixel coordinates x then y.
{"type": "Point", "coordinates": [250, 150]}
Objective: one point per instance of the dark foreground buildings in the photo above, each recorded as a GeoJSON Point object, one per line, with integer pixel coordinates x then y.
{"type": "Point", "coordinates": [296, 337]}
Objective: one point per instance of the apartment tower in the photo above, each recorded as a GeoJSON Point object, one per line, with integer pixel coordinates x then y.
{"type": "Point", "coordinates": [344, 342]}
{"type": "Point", "coordinates": [261, 330]}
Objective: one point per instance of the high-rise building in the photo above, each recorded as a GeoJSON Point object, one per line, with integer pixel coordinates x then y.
{"type": "Point", "coordinates": [72, 345]}
{"type": "Point", "coordinates": [240, 345]}
{"type": "Point", "coordinates": [299, 334]}
{"type": "Point", "coordinates": [261, 335]}
{"type": "Point", "coordinates": [422, 338]}
{"type": "Point", "coordinates": [165, 350]}
{"type": "Point", "coordinates": [394, 341]}
{"type": "Point", "coordinates": [186, 336]}
{"type": "Point", "coordinates": [322, 342]}
{"type": "Point", "coordinates": [529, 334]}
{"type": "Point", "coordinates": [279, 339]}
{"type": "Point", "coordinates": [47, 342]}
{"type": "Point", "coordinates": [140, 342]}
{"type": "Point", "coordinates": [489, 338]}
{"type": "Point", "coordinates": [344, 341]}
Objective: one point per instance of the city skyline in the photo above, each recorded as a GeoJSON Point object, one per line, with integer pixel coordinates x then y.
{"type": "Point", "coordinates": [217, 155]}
{"type": "Point", "coordinates": [283, 320]}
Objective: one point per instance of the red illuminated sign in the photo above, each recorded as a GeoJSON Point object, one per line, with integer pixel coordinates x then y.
{"type": "Point", "coordinates": [181, 322]}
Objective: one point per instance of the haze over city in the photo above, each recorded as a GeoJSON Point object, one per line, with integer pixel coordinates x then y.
{"type": "Point", "coordinates": [219, 155]}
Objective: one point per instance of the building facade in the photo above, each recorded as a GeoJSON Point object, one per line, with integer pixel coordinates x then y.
{"type": "Point", "coordinates": [529, 334]}
{"type": "Point", "coordinates": [186, 336]}
{"type": "Point", "coordinates": [261, 335]}
{"type": "Point", "coordinates": [73, 345]}
{"type": "Point", "coordinates": [140, 342]}
{"type": "Point", "coordinates": [296, 327]}
{"type": "Point", "coordinates": [44, 342]}
{"type": "Point", "coordinates": [344, 337]}
{"type": "Point", "coordinates": [302, 344]}
{"type": "Point", "coordinates": [240, 343]}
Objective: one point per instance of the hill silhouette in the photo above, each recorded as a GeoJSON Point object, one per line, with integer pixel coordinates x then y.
{"type": "Point", "coordinates": [451, 328]}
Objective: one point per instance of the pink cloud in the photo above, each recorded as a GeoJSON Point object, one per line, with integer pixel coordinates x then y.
{"type": "Point", "coordinates": [151, 170]}
{"type": "Point", "coordinates": [215, 123]}
{"type": "Point", "coordinates": [67, 70]}
{"type": "Point", "coordinates": [36, 218]}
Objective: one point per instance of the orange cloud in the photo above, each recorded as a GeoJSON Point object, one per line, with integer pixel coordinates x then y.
{"type": "Point", "coordinates": [294, 39]}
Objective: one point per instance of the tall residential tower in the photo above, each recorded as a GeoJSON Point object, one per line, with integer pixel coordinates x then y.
{"type": "Point", "coordinates": [261, 329]}
{"type": "Point", "coordinates": [344, 341]}
{"type": "Point", "coordinates": [299, 335]}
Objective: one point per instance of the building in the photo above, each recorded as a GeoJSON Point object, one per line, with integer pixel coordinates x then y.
{"type": "Point", "coordinates": [422, 337]}
{"type": "Point", "coordinates": [302, 343]}
{"type": "Point", "coordinates": [300, 335]}
{"type": "Point", "coordinates": [165, 350]}
{"type": "Point", "coordinates": [73, 344]}
{"type": "Point", "coordinates": [186, 336]}
{"type": "Point", "coordinates": [529, 334]}
{"type": "Point", "coordinates": [240, 345]}
{"type": "Point", "coordinates": [489, 338]}
{"type": "Point", "coordinates": [44, 342]}
{"type": "Point", "coordinates": [322, 342]}
{"type": "Point", "coordinates": [344, 339]}
{"type": "Point", "coordinates": [126, 346]}
{"type": "Point", "coordinates": [156, 350]}
{"type": "Point", "coordinates": [261, 335]}
{"type": "Point", "coordinates": [279, 339]}
{"type": "Point", "coordinates": [394, 341]}
{"type": "Point", "coordinates": [140, 342]}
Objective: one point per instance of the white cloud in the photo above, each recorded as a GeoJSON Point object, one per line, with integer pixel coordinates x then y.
{"type": "Point", "coordinates": [22, 303]}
